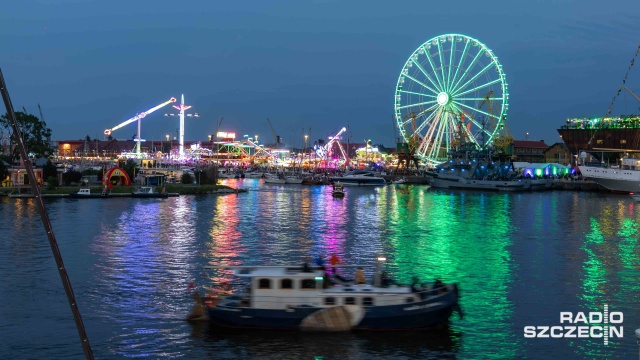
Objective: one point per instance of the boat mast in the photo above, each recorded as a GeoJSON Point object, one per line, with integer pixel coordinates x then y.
{"type": "Point", "coordinates": [45, 220]}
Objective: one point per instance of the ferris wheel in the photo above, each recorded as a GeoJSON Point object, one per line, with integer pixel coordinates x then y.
{"type": "Point", "coordinates": [440, 95]}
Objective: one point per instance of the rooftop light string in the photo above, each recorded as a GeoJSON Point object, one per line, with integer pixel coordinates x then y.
{"type": "Point", "coordinates": [624, 81]}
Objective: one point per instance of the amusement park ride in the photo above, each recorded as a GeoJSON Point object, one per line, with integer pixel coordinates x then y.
{"type": "Point", "coordinates": [182, 107]}
{"type": "Point", "coordinates": [439, 97]}
{"type": "Point", "coordinates": [325, 151]}
{"type": "Point", "coordinates": [139, 118]}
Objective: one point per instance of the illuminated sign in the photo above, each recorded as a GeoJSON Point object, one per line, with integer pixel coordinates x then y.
{"type": "Point", "coordinates": [225, 135]}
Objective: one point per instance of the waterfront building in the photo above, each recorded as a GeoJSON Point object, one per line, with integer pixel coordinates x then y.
{"type": "Point", "coordinates": [605, 138]}
{"type": "Point", "coordinates": [558, 153]}
{"type": "Point", "coordinates": [529, 151]}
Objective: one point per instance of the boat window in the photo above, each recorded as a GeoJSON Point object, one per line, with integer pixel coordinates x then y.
{"type": "Point", "coordinates": [264, 284]}
{"type": "Point", "coordinates": [350, 301]}
{"type": "Point", "coordinates": [329, 301]}
{"type": "Point", "coordinates": [409, 299]}
{"type": "Point", "coordinates": [367, 301]}
{"type": "Point", "coordinates": [286, 284]}
{"type": "Point", "coordinates": [307, 284]}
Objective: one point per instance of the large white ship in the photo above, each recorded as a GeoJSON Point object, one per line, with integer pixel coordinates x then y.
{"type": "Point", "coordinates": [625, 178]}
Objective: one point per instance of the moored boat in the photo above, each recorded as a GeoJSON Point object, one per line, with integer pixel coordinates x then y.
{"type": "Point", "coordinates": [274, 179]}
{"type": "Point", "coordinates": [622, 179]}
{"type": "Point", "coordinates": [149, 192]}
{"type": "Point", "coordinates": [85, 193]}
{"type": "Point", "coordinates": [293, 179]}
{"type": "Point", "coordinates": [482, 175]}
{"type": "Point", "coordinates": [358, 178]}
{"type": "Point", "coordinates": [308, 298]}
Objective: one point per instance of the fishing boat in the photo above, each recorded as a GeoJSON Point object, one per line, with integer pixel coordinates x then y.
{"type": "Point", "coordinates": [148, 192]}
{"type": "Point", "coordinates": [358, 178]}
{"type": "Point", "coordinates": [309, 298]}
{"type": "Point", "coordinates": [338, 191]}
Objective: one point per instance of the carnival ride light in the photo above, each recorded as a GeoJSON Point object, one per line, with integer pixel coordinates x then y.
{"type": "Point", "coordinates": [141, 115]}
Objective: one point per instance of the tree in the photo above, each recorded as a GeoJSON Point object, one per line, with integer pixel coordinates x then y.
{"type": "Point", "coordinates": [4, 171]}
{"type": "Point", "coordinates": [186, 178]}
{"type": "Point", "coordinates": [49, 169]}
{"type": "Point", "coordinates": [71, 176]}
{"type": "Point", "coordinates": [35, 134]}
{"type": "Point", "coordinates": [130, 167]}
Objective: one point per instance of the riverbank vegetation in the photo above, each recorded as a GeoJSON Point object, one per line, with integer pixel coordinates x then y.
{"type": "Point", "coordinates": [182, 189]}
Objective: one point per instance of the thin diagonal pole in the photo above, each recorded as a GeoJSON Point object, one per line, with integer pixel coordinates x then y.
{"type": "Point", "coordinates": [17, 137]}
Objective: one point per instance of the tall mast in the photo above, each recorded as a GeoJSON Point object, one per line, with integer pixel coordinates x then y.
{"type": "Point", "coordinates": [62, 270]}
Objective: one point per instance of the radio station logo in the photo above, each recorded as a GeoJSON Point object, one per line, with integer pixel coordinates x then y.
{"type": "Point", "coordinates": [605, 325]}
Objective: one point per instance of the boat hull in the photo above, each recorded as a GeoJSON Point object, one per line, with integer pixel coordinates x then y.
{"type": "Point", "coordinates": [470, 184]}
{"type": "Point", "coordinates": [418, 315]}
{"type": "Point", "coordinates": [617, 180]}
{"type": "Point", "coordinates": [359, 182]}
{"type": "Point", "coordinates": [89, 196]}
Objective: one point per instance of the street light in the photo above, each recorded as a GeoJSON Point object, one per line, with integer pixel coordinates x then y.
{"type": "Point", "coordinates": [169, 140]}
{"type": "Point", "coordinates": [304, 153]}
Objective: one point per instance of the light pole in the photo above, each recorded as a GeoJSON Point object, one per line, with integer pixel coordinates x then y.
{"type": "Point", "coordinates": [304, 151]}
{"type": "Point", "coordinates": [182, 107]}
{"type": "Point", "coordinates": [169, 141]}
{"type": "Point", "coordinates": [211, 141]}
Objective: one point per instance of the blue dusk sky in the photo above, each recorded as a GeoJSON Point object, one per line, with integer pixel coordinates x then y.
{"type": "Point", "coordinates": [303, 64]}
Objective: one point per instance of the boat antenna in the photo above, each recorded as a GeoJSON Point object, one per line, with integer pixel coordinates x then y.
{"type": "Point", "coordinates": [45, 219]}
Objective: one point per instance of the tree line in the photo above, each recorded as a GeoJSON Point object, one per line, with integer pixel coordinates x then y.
{"type": "Point", "coordinates": [35, 135]}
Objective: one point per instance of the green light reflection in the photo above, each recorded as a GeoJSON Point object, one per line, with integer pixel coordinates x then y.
{"type": "Point", "coordinates": [464, 238]}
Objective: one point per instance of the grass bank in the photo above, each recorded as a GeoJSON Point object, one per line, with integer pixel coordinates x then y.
{"type": "Point", "coordinates": [182, 189]}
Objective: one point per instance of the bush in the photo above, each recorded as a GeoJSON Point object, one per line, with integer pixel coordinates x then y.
{"type": "Point", "coordinates": [186, 178]}
{"type": "Point", "coordinates": [71, 176]}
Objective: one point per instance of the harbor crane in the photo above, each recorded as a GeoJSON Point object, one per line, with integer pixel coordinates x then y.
{"type": "Point", "coordinates": [138, 117]}
{"type": "Point", "coordinates": [276, 138]}
{"type": "Point", "coordinates": [503, 138]}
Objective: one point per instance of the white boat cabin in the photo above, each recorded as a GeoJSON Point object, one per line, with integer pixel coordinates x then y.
{"type": "Point", "coordinates": [286, 287]}
{"type": "Point", "coordinates": [84, 192]}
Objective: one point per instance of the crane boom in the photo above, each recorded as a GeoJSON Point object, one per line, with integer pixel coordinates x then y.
{"type": "Point", "coordinates": [42, 117]}
{"type": "Point", "coordinates": [139, 116]}
{"type": "Point", "coordinates": [275, 137]}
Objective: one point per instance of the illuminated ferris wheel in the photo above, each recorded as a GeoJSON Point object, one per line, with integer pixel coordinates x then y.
{"type": "Point", "coordinates": [440, 95]}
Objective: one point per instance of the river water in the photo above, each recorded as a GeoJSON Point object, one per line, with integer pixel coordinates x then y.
{"type": "Point", "coordinates": [520, 260]}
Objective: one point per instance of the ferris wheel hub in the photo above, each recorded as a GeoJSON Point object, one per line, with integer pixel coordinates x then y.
{"type": "Point", "coordinates": [443, 98]}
